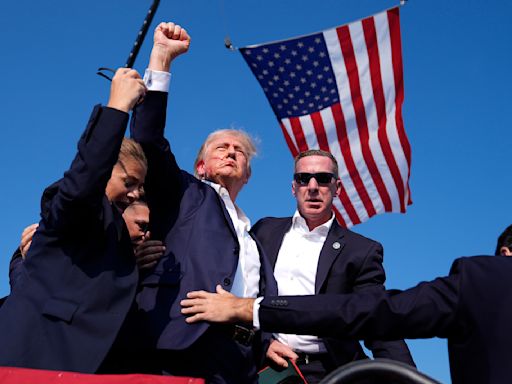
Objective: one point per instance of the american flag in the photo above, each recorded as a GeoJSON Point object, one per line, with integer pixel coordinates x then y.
{"type": "Point", "coordinates": [341, 90]}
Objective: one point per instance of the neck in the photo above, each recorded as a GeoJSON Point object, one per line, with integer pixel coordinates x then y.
{"type": "Point", "coordinates": [232, 186]}
{"type": "Point", "coordinates": [314, 222]}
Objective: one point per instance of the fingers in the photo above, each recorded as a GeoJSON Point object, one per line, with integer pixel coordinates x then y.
{"type": "Point", "coordinates": [195, 318]}
{"type": "Point", "coordinates": [26, 238]}
{"type": "Point", "coordinates": [278, 352]}
{"type": "Point", "coordinates": [220, 290]}
{"type": "Point", "coordinates": [170, 41]}
{"type": "Point", "coordinates": [150, 247]}
{"type": "Point", "coordinates": [278, 360]}
{"type": "Point", "coordinates": [194, 309]}
{"type": "Point", "coordinates": [148, 253]}
{"type": "Point", "coordinates": [24, 249]}
{"type": "Point", "coordinates": [198, 294]}
{"type": "Point", "coordinates": [126, 89]}
{"type": "Point", "coordinates": [191, 305]}
{"type": "Point", "coordinates": [172, 31]}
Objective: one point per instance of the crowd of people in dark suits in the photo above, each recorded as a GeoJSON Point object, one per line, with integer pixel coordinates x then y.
{"type": "Point", "coordinates": [138, 266]}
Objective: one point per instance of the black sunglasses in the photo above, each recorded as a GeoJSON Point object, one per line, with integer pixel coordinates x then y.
{"type": "Point", "coordinates": [303, 178]}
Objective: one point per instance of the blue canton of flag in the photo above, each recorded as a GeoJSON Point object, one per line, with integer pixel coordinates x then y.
{"type": "Point", "coordinates": [296, 75]}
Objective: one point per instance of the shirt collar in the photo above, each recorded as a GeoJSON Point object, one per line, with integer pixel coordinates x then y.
{"type": "Point", "coordinates": [224, 195]}
{"type": "Point", "coordinates": [299, 223]}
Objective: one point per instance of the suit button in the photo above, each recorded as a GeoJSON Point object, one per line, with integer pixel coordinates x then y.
{"type": "Point", "coordinates": [236, 250]}
{"type": "Point", "coordinates": [227, 281]}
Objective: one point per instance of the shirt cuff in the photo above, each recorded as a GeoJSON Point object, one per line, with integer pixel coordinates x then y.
{"type": "Point", "coordinates": [256, 313]}
{"type": "Point", "coordinates": [157, 80]}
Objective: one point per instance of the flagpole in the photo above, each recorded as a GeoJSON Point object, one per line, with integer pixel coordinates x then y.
{"type": "Point", "coordinates": [142, 34]}
{"type": "Point", "coordinates": [136, 45]}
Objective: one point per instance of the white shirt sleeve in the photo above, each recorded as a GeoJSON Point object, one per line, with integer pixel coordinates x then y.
{"type": "Point", "coordinates": [157, 80]}
{"type": "Point", "coordinates": [256, 313]}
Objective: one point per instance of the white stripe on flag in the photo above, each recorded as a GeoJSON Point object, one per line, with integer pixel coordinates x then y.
{"type": "Point", "coordinates": [386, 67]}
{"type": "Point", "coordinates": [340, 72]}
{"type": "Point", "coordinates": [363, 66]}
{"type": "Point", "coordinates": [335, 149]}
{"type": "Point", "coordinates": [288, 126]}
{"type": "Point", "coordinates": [309, 132]}
{"type": "Point", "coordinates": [339, 207]}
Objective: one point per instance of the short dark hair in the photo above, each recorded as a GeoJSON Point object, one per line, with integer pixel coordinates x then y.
{"type": "Point", "coordinates": [318, 152]}
{"type": "Point", "coordinates": [505, 240]}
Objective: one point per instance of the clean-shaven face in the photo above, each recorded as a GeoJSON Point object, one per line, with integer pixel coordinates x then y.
{"type": "Point", "coordinates": [314, 198]}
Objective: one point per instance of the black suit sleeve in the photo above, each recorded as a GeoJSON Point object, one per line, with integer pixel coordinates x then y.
{"type": "Point", "coordinates": [164, 180]}
{"type": "Point", "coordinates": [371, 273]}
{"type": "Point", "coordinates": [15, 268]}
{"type": "Point", "coordinates": [78, 196]}
{"type": "Point", "coordinates": [427, 310]}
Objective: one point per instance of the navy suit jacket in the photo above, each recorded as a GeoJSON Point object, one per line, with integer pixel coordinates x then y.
{"type": "Point", "coordinates": [79, 277]}
{"type": "Point", "coordinates": [201, 244]}
{"type": "Point", "coordinates": [348, 262]}
{"type": "Point", "coordinates": [471, 308]}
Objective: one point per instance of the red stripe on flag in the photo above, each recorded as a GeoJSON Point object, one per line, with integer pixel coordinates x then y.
{"type": "Point", "coordinates": [321, 136]}
{"type": "Point", "coordinates": [299, 134]}
{"type": "Point", "coordinates": [396, 53]}
{"type": "Point", "coordinates": [349, 208]}
{"type": "Point", "coordinates": [360, 113]}
{"type": "Point", "coordinates": [289, 140]}
{"type": "Point", "coordinates": [341, 131]}
{"type": "Point", "coordinates": [370, 36]}
{"type": "Point", "coordinates": [339, 217]}
{"type": "Point", "coordinates": [319, 127]}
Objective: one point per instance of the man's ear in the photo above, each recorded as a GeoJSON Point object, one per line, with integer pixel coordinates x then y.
{"type": "Point", "coordinates": [200, 169]}
{"type": "Point", "coordinates": [248, 175]}
{"type": "Point", "coordinates": [294, 193]}
{"type": "Point", "coordinates": [338, 186]}
{"type": "Point", "coordinates": [505, 251]}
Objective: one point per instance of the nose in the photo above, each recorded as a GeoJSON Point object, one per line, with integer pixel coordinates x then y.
{"type": "Point", "coordinates": [231, 151]}
{"type": "Point", "coordinates": [313, 184]}
{"type": "Point", "coordinates": [134, 195]}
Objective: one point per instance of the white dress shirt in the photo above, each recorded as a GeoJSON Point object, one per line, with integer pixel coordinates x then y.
{"type": "Point", "coordinates": [295, 273]}
{"type": "Point", "coordinates": [247, 276]}
{"type": "Point", "coordinates": [157, 80]}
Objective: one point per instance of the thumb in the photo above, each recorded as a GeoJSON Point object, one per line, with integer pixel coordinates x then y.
{"type": "Point", "coordinates": [220, 290]}
{"type": "Point", "coordinates": [148, 235]}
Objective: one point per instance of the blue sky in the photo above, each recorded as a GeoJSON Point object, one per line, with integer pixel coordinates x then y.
{"type": "Point", "coordinates": [457, 57]}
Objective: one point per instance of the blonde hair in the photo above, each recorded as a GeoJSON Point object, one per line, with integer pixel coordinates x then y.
{"type": "Point", "coordinates": [130, 149]}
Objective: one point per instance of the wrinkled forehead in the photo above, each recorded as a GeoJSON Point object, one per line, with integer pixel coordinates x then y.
{"type": "Point", "coordinates": [314, 163]}
{"type": "Point", "coordinates": [227, 139]}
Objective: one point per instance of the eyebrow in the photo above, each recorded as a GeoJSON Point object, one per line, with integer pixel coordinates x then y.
{"type": "Point", "coordinates": [121, 164]}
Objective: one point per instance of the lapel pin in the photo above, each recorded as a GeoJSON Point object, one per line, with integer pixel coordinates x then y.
{"type": "Point", "coordinates": [336, 245]}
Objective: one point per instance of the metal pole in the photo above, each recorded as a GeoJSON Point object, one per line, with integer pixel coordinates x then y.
{"type": "Point", "coordinates": [142, 34]}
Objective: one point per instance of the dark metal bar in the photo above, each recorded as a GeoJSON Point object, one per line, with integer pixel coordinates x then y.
{"type": "Point", "coordinates": [142, 34]}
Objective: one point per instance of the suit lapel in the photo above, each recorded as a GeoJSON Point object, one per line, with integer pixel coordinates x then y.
{"type": "Point", "coordinates": [226, 214]}
{"type": "Point", "coordinates": [331, 249]}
